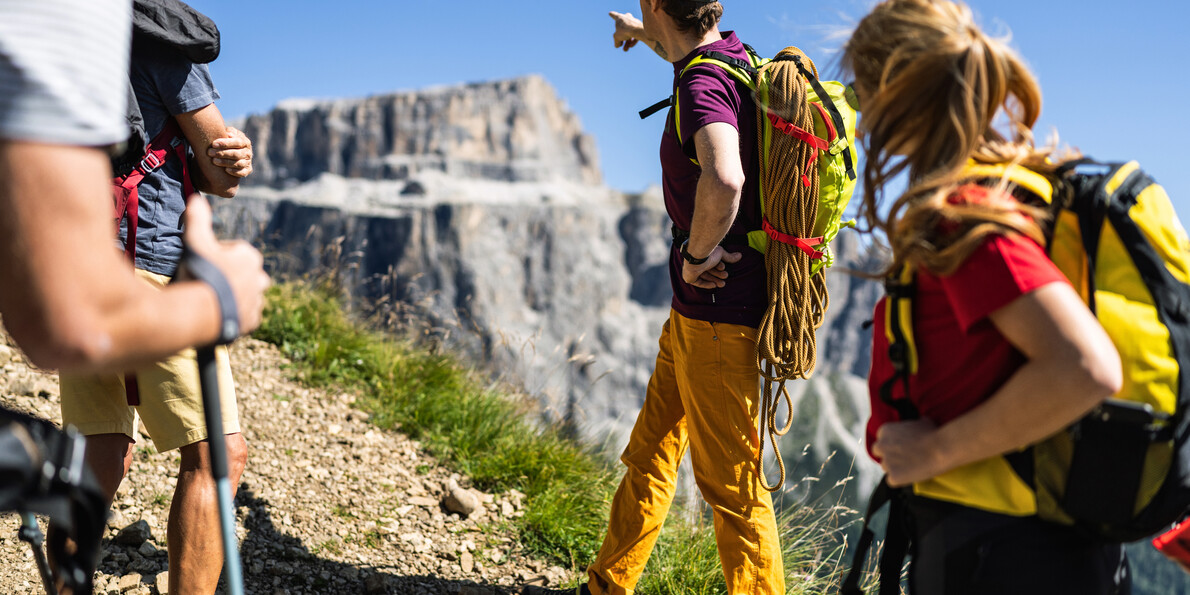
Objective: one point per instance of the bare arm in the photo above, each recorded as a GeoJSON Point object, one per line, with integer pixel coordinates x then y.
{"type": "Point", "coordinates": [201, 128]}
{"type": "Point", "coordinates": [1072, 366]}
{"type": "Point", "coordinates": [630, 30]}
{"type": "Point", "coordinates": [66, 294]}
{"type": "Point", "coordinates": [715, 204]}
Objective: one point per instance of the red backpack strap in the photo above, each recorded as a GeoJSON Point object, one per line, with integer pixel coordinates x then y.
{"type": "Point", "coordinates": [170, 141]}
{"type": "Point", "coordinates": [126, 202]}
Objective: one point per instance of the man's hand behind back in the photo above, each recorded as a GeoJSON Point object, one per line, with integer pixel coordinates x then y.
{"type": "Point", "coordinates": [711, 274]}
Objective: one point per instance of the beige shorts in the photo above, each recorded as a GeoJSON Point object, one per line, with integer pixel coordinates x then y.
{"type": "Point", "coordinates": [170, 399]}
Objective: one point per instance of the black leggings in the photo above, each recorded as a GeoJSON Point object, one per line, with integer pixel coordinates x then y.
{"type": "Point", "coordinates": [963, 551]}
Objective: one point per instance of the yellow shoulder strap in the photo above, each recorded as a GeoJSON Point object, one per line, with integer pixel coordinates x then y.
{"type": "Point", "coordinates": [898, 318]}
{"type": "Point", "coordinates": [736, 73]}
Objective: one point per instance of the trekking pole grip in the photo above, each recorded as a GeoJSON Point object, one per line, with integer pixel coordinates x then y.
{"type": "Point", "coordinates": [204, 270]}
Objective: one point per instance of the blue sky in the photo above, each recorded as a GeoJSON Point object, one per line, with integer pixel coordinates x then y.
{"type": "Point", "coordinates": [1114, 74]}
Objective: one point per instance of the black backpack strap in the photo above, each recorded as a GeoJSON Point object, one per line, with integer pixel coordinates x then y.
{"type": "Point", "coordinates": [825, 98]}
{"type": "Point", "coordinates": [896, 543]}
{"type": "Point", "coordinates": [656, 107]}
{"type": "Point", "coordinates": [744, 65]}
{"type": "Point", "coordinates": [900, 294]}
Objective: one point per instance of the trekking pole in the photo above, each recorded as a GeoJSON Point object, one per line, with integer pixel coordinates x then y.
{"type": "Point", "coordinates": [209, 380]}
{"type": "Point", "coordinates": [31, 534]}
{"type": "Point", "coordinates": [202, 270]}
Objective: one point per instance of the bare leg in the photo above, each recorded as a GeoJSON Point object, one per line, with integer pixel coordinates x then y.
{"type": "Point", "coordinates": [110, 456]}
{"type": "Point", "coordinates": [195, 549]}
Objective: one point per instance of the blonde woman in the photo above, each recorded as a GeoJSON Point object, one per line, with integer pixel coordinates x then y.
{"type": "Point", "coordinates": [1008, 354]}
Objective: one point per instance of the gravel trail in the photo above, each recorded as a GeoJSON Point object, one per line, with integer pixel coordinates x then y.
{"type": "Point", "coordinates": [328, 503]}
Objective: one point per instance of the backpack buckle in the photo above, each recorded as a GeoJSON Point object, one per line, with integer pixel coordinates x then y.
{"type": "Point", "coordinates": [150, 162]}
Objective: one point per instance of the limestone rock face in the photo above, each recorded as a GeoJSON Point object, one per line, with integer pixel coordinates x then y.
{"type": "Point", "coordinates": [515, 130]}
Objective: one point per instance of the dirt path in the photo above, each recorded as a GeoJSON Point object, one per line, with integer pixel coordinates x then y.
{"type": "Point", "coordinates": [328, 503]}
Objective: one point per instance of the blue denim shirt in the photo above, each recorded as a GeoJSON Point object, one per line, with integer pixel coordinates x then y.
{"type": "Point", "coordinates": [166, 84]}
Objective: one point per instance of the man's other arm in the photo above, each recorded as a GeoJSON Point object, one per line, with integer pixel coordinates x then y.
{"type": "Point", "coordinates": [68, 298]}
{"type": "Point", "coordinates": [715, 205]}
{"type": "Point", "coordinates": [202, 127]}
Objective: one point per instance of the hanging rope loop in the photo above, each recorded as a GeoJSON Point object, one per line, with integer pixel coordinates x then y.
{"type": "Point", "coordinates": [786, 348]}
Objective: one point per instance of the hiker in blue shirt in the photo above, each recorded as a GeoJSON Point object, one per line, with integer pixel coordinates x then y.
{"type": "Point", "coordinates": [176, 99]}
{"type": "Point", "coordinates": [66, 302]}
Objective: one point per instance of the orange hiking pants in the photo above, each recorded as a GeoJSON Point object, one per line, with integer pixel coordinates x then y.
{"type": "Point", "coordinates": [704, 394]}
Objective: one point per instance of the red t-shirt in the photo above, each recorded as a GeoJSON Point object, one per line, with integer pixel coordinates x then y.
{"type": "Point", "coordinates": [962, 358]}
{"type": "Point", "coordinates": [708, 94]}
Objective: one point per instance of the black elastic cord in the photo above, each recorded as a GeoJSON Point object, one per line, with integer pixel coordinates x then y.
{"type": "Point", "coordinates": [202, 270]}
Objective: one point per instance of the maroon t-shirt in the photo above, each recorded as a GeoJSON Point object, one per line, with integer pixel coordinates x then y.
{"type": "Point", "coordinates": [708, 94]}
{"type": "Point", "coordinates": [962, 358]}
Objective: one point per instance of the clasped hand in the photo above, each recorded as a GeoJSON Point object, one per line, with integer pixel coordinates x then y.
{"type": "Point", "coordinates": [711, 274]}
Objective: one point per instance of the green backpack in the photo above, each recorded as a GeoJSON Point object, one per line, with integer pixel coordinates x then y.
{"type": "Point", "coordinates": [833, 136]}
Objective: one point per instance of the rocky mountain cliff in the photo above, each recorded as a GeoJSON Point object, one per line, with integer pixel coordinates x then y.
{"type": "Point", "coordinates": [515, 130]}
{"type": "Point", "coordinates": [487, 220]}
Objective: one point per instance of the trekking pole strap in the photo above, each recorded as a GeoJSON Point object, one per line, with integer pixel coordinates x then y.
{"type": "Point", "coordinates": [203, 270]}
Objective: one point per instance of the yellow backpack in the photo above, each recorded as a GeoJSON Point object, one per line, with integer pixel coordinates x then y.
{"type": "Point", "coordinates": [1122, 472]}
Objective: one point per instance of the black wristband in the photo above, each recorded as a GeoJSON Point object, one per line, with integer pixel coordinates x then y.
{"type": "Point", "coordinates": [688, 258]}
{"type": "Point", "coordinates": [202, 270]}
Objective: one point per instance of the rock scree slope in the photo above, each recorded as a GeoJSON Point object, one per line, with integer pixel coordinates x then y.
{"type": "Point", "coordinates": [328, 504]}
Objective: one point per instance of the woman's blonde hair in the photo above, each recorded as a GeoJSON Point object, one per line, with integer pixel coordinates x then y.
{"type": "Point", "coordinates": [933, 89]}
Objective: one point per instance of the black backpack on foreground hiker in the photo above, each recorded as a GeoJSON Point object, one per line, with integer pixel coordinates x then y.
{"type": "Point", "coordinates": [1122, 472]}
{"type": "Point", "coordinates": [42, 472]}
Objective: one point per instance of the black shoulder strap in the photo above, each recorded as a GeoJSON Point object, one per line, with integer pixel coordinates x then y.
{"type": "Point", "coordinates": [128, 154]}
{"type": "Point", "coordinates": [896, 543]}
{"type": "Point", "coordinates": [900, 295]}
{"type": "Point", "coordinates": [744, 65]}
{"type": "Point", "coordinates": [656, 107]}
{"type": "Point", "coordinates": [730, 61]}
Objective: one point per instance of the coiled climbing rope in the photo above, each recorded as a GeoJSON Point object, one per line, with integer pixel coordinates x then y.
{"type": "Point", "coordinates": [785, 345]}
